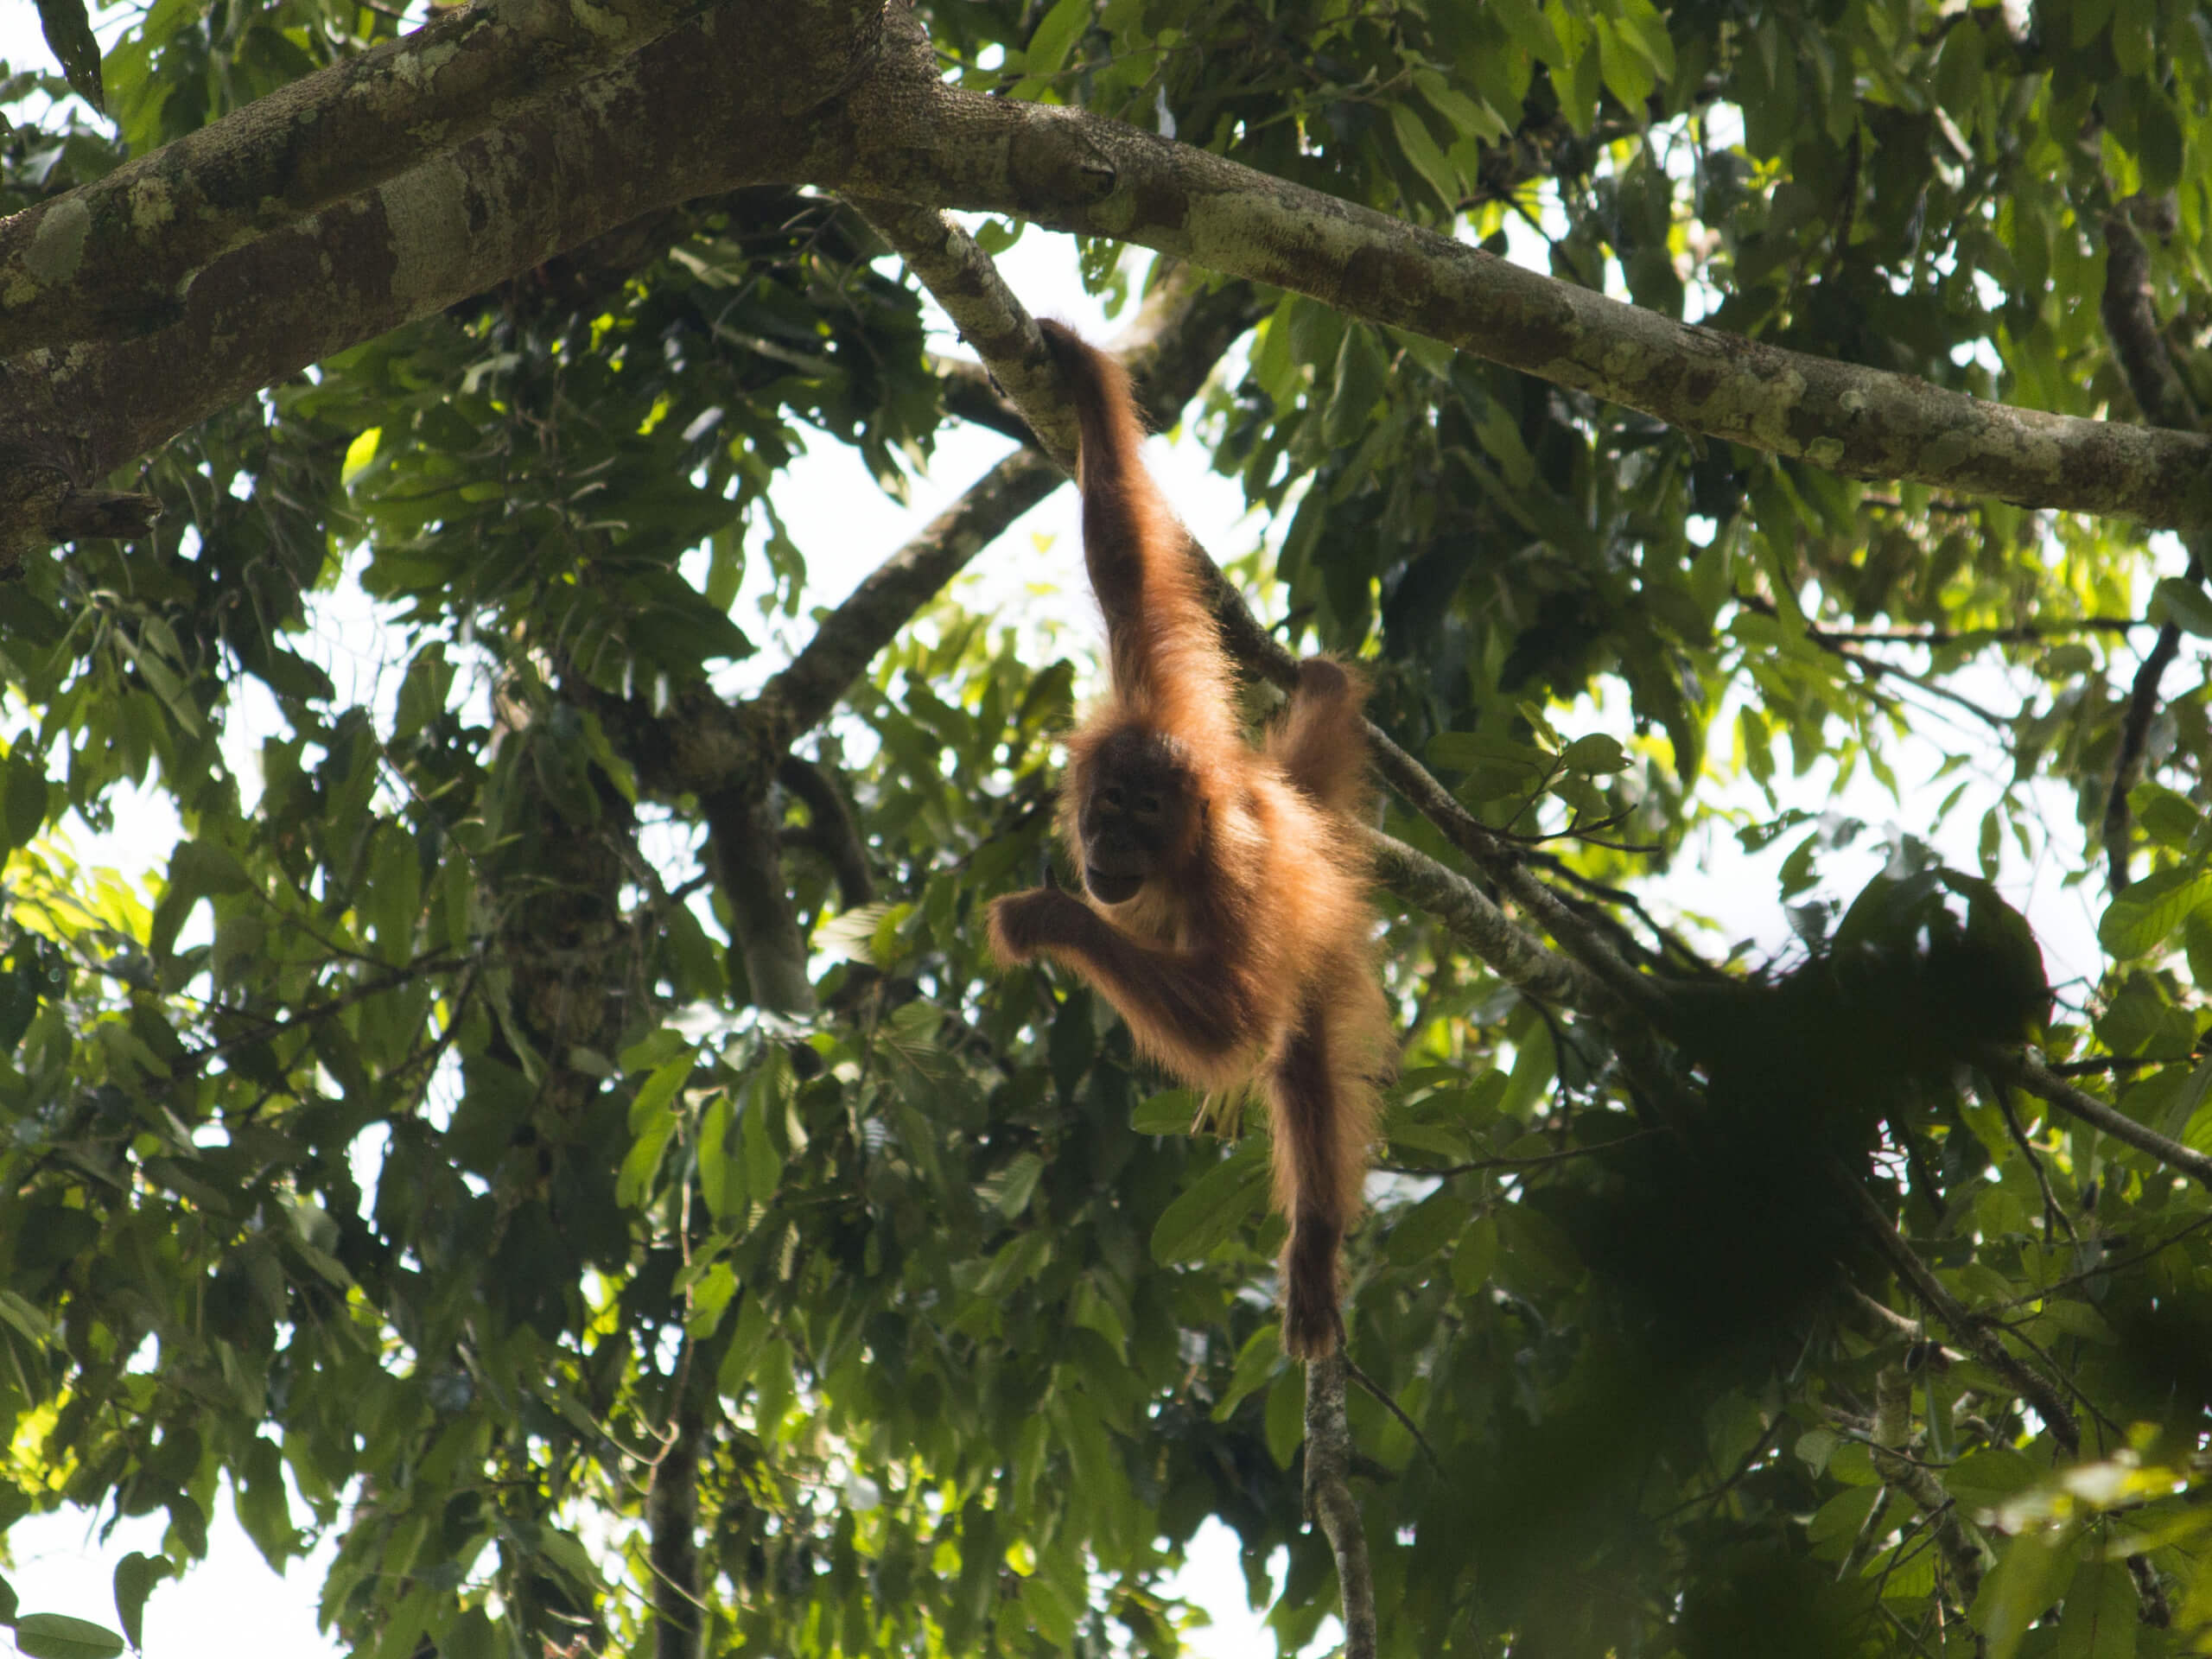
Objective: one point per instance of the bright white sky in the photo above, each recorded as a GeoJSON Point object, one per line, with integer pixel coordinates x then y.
{"type": "Point", "coordinates": [845, 526]}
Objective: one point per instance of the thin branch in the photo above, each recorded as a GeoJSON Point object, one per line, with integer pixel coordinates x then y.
{"type": "Point", "coordinates": [1962, 1546]}
{"type": "Point", "coordinates": [1396, 1410]}
{"type": "Point", "coordinates": [2054, 1213]}
{"type": "Point", "coordinates": [2132, 325]}
{"type": "Point", "coordinates": [1975, 1333]}
{"type": "Point", "coordinates": [1474, 1164]}
{"type": "Point", "coordinates": [833, 832]}
{"type": "Point", "coordinates": [1507, 949]}
{"type": "Point", "coordinates": [1330, 1502]}
{"type": "Point", "coordinates": [1839, 646]}
{"type": "Point", "coordinates": [2038, 1079]}
{"type": "Point", "coordinates": [869, 618]}
{"type": "Point", "coordinates": [2022, 634]}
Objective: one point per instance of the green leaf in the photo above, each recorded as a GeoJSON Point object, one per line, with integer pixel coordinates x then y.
{"type": "Point", "coordinates": [2159, 143]}
{"type": "Point", "coordinates": [56, 1636]}
{"type": "Point", "coordinates": [24, 781]}
{"type": "Point", "coordinates": [657, 1090]}
{"type": "Point", "coordinates": [722, 1178]}
{"type": "Point", "coordinates": [2099, 1618]}
{"type": "Point", "coordinates": [2185, 604]}
{"type": "Point", "coordinates": [1596, 753]}
{"type": "Point", "coordinates": [2134, 35]}
{"type": "Point", "coordinates": [1255, 1363]}
{"type": "Point", "coordinates": [1530, 29]}
{"type": "Point", "coordinates": [2146, 915]}
{"type": "Point", "coordinates": [1427, 1228]}
{"type": "Point", "coordinates": [1627, 73]}
{"type": "Point", "coordinates": [1984, 1479]}
{"type": "Point", "coordinates": [1421, 149]}
{"type": "Point", "coordinates": [1055, 37]}
{"type": "Point", "coordinates": [1169, 1112]}
{"type": "Point", "coordinates": [1361, 373]}
{"type": "Point", "coordinates": [68, 31]}
{"type": "Point", "coordinates": [135, 1575]}
{"type": "Point", "coordinates": [2022, 1586]}
{"type": "Point", "coordinates": [1214, 1207]}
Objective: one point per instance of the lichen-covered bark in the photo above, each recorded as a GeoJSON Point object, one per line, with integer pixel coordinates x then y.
{"type": "Point", "coordinates": [455, 226]}
{"type": "Point", "coordinates": [144, 228]}
{"type": "Point", "coordinates": [844, 93]}
{"type": "Point", "coordinates": [1074, 172]}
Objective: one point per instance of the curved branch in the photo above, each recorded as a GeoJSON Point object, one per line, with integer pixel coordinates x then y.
{"type": "Point", "coordinates": [965, 281]}
{"type": "Point", "coordinates": [835, 836]}
{"type": "Point", "coordinates": [1179, 333]}
{"type": "Point", "coordinates": [574, 165]}
{"type": "Point", "coordinates": [1077, 172]}
{"type": "Point", "coordinates": [886, 598]}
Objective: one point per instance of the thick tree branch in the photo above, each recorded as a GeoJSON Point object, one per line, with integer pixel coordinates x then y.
{"type": "Point", "coordinates": [576, 164]}
{"type": "Point", "coordinates": [148, 226]}
{"type": "Point", "coordinates": [574, 168]}
{"type": "Point", "coordinates": [748, 863]}
{"type": "Point", "coordinates": [1076, 172]}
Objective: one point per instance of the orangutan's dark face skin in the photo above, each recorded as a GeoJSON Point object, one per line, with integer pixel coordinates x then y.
{"type": "Point", "coordinates": [1135, 818]}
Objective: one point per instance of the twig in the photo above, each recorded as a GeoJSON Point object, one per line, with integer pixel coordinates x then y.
{"type": "Point", "coordinates": [1396, 1410]}
{"type": "Point", "coordinates": [1839, 646]}
{"type": "Point", "coordinates": [1530, 1162]}
{"type": "Point", "coordinates": [2054, 1215]}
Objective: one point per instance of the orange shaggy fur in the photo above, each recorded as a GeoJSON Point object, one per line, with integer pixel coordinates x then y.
{"type": "Point", "coordinates": [1246, 956]}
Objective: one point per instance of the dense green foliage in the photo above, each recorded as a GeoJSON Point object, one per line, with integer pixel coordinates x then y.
{"type": "Point", "coordinates": [410, 1133]}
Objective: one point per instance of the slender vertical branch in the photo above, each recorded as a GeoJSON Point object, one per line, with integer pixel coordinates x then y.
{"type": "Point", "coordinates": [1330, 1502]}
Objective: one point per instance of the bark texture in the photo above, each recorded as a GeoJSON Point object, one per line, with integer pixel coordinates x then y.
{"type": "Point", "coordinates": [843, 94]}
